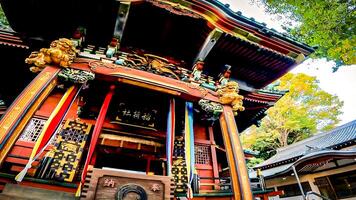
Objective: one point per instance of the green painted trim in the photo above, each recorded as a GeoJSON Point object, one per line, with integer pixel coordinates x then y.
{"type": "Point", "coordinates": [223, 194]}
{"type": "Point", "coordinates": [262, 191]}
{"type": "Point", "coordinates": [180, 195]}
{"type": "Point", "coordinates": [273, 92]}
{"type": "Point", "coordinates": [251, 152]}
{"type": "Point", "coordinates": [217, 194]}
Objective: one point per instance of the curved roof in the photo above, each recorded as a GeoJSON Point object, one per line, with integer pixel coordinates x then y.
{"type": "Point", "coordinates": [256, 104]}
{"type": "Point", "coordinates": [250, 24]}
{"type": "Point", "coordinates": [172, 28]}
{"type": "Point", "coordinates": [323, 156]}
{"type": "Point", "coordinates": [10, 38]}
{"type": "Point", "coordinates": [327, 140]}
{"type": "Point", "coordinates": [78, 13]}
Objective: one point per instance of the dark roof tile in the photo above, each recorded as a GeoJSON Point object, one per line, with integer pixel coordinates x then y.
{"type": "Point", "coordinates": [329, 139]}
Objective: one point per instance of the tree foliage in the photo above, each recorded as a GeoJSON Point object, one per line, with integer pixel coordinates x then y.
{"type": "Point", "coordinates": [327, 24]}
{"type": "Point", "coordinates": [3, 20]}
{"type": "Point", "coordinates": [305, 110]}
{"type": "Point", "coordinates": [261, 141]}
{"type": "Point", "coordinates": [254, 161]}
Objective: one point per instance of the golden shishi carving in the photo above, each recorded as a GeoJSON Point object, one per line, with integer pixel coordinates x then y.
{"type": "Point", "coordinates": [228, 95]}
{"type": "Point", "coordinates": [61, 53]}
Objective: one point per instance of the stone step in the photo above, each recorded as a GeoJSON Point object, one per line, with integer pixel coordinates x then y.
{"type": "Point", "coordinates": [10, 197]}
{"type": "Point", "coordinates": [20, 192]}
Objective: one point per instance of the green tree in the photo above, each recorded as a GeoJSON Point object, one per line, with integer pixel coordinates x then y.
{"type": "Point", "coordinates": [305, 110]}
{"type": "Point", "coordinates": [254, 161]}
{"type": "Point", "coordinates": [327, 24]}
{"type": "Point", "coordinates": [259, 140]}
{"type": "Point", "coordinates": [3, 20]}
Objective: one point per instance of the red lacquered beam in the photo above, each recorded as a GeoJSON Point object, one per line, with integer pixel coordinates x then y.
{"type": "Point", "coordinates": [22, 109]}
{"type": "Point", "coordinates": [147, 80]}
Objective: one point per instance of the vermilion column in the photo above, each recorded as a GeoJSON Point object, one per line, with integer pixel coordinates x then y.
{"type": "Point", "coordinates": [235, 156]}
{"type": "Point", "coordinates": [214, 158]}
{"type": "Point", "coordinates": [23, 108]}
{"type": "Point", "coordinates": [95, 135]}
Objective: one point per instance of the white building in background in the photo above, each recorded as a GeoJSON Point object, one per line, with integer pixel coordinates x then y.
{"type": "Point", "coordinates": [325, 164]}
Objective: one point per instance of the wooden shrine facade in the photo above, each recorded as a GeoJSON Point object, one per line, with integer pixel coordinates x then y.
{"type": "Point", "coordinates": [151, 110]}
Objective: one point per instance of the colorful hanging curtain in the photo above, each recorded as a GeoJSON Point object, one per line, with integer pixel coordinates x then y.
{"type": "Point", "coordinates": [50, 127]}
{"type": "Point", "coordinates": [62, 162]}
{"type": "Point", "coordinates": [189, 144]}
{"type": "Point", "coordinates": [95, 135]}
{"type": "Point", "coordinates": [170, 135]}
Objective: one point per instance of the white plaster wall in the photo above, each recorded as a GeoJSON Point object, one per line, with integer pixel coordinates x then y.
{"type": "Point", "coordinates": [349, 147]}
{"type": "Point", "coordinates": [312, 197]}
{"type": "Point", "coordinates": [280, 181]}
{"type": "Point", "coordinates": [353, 198]}
{"type": "Point", "coordinates": [287, 198]}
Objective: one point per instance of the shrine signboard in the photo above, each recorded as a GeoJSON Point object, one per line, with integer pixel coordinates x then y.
{"type": "Point", "coordinates": [141, 116]}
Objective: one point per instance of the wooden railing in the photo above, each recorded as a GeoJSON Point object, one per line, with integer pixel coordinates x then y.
{"type": "Point", "coordinates": [217, 184]}
{"type": "Point", "coordinates": [310, 194]}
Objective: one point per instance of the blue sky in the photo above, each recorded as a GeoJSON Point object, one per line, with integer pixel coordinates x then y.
{"type": "Point", "coordinates": [341, 83]}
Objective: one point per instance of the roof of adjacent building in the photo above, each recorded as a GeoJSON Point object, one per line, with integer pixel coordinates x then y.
{"type": "Point", "coordinates": [308, 163]}
{"type": "Point", "coordinates": [11, 38]}
{"type": "Point", "coordinates": [333, 139]}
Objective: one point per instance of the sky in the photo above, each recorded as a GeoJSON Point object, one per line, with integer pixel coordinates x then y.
{"type": "Point", "coordinates": [341, 83]}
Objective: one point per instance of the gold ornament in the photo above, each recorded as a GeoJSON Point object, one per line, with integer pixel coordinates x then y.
{"type": "Point", "coordinates": [61, 53]}
{"type": "Point", "coordinates": [228, 95]}
{"type": "Point", "coordinates": [160, 64]}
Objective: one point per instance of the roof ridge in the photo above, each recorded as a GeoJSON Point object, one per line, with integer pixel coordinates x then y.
{"type": "Point", "coordinates": [317, 135]}
{"type": "Point", "coordinates": [260, 26]}
{"type": "Point", "coordinates": [277, 156]}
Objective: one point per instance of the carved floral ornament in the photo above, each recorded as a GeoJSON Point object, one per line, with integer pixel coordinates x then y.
{"type": "Point", "coordinates": [76, 76]}
{"type": "Point", "coordinates": [212, 110]}
{"type": "Point", "coordinates": [62, 53]}
{"type": "Point", "coordinates": [174, 8]}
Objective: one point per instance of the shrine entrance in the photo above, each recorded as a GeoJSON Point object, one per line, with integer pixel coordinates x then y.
{"type": "Point", "coordinates": [134, 133]}
{"type": "Point", "coordinates": [122, 159]}
{"type": "Point", "coordinates": [131, 147]}
{"type": "Point", "coordinates": [128, 155]}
